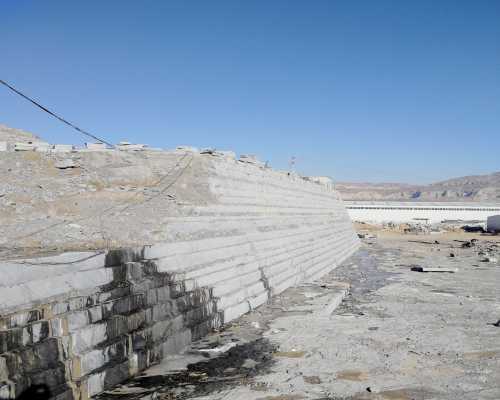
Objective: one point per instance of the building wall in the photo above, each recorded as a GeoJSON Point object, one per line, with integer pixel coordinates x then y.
{"type": "Point", "coordinates": [414, 212]}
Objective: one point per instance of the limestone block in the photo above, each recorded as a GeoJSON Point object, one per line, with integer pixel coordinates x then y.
{"type": "Point", "coordinates": [205, 327]}
{"type": "Point", "coordinates": [163, 311]}
{"type": "Point", "coordinates": [156, 333]}
{"type": "Point", "coordinates": [41, 146]}
{"type": "Point", "coordinates": [96, 146]}
{"type": "Point", "coordinates": [77, 320]}
{"type": "Point", "coordinates": [88, 337]}
{"type": "Point", "coordinates": [122, 256]}
{"type": "Point", "coordinates": [58, 327]}
{"type": "Point", "coordinates": [233, 312]}
{"type": "Point", "coordinates": [95, 314]}
{"type": "Point", "coordinates": [97, 383]}
{"type": "Point", "coordinates": [158, 295]}
{"type": "Point", "coordinates": [95, 359]}
{"type": "Point", "coordinates": [44, 355]}
{"type": "Point", "coordinates": [19, 319]}
{"type": "Point", "coordinates": [195, 315]}
{"type": "Point", "coordinates": [124, 305]}
{"type": "Point", "coordinates": [5, 391]}
{"type": "Point", "coordinates": [24, 146]}
{"type": "Point", "coordinates": [63, 148]}
{"type": "Point", "coordinates": [65, 163]}
{"type": "Point", "coordinates": [39, 331]}
{"type": "Point", "coordinates": [194, 299]}
{"type": "Point", "coordinates": [176, 343]}
{"type": "Point", "coordinates": [127, 146]}
{"type": "Point", "coordinates": [4, 372]}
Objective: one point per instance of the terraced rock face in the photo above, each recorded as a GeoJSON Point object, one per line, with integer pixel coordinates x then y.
{"type": "Point", "coordinates": [204, 240]}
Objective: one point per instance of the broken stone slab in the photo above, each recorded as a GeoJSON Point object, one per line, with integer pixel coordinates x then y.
{"type": "Point", "coordinates": [218, 350]}
{"type": "Point", "coordinates": [63, 148]}
{"type": "Point", "coordinates": [41, 146]}
{"type": "Point", "coordinates": [3, 146]}
{"type": "Point", "coordinates": [489, 259]}
{"type": "Point", "coordinates": [127, 146]}
{"type": "Point", "coordinates": [251, 159]}
{"type": "Point", "coordinates": [321, 180]}
{"type": "Point", "coordinates": [66, 163]}
{"type": "Point", "coordinates": [207, 150]}
{"type": "Point", "coordinates": [24, 147]}
{"type": "Point", "coordinates": [96, 146]}
{"type": "Point", "coordinates": [432, 269]}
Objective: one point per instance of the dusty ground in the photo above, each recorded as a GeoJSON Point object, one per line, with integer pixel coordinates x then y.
{"type": "Point", "coordinates": [398, 334]}
{"type": "Point", "coordinates": [108, 200]}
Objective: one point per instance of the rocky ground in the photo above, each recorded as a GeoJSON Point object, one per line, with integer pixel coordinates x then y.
{"type": "Point", "coordinates": [397, 334]}
{"type": "Point", "coordinates": [105, 200]}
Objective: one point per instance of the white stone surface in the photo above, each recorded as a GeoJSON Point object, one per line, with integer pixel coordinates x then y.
{"type": "Point", "coordinates": [417, 212]}
{"type": "Point", "coordinates": [63, 148]}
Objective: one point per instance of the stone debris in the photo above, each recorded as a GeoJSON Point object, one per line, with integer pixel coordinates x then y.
{"type": "Point", "coordinates": [24, 146]}
{"type": "Point", "coordinates": [489, 259]}
{"type": "Point", "coordinates": [229, 155]}
{"type": "Point", "coordinates": [96, 147]}
{"type": "Point", "coordinates": [474, 228]}
{"type": "Point", "coordinates": [63, 148]}
{"type": "Point", "coordinates": [251, 159]}
{"type": "Point", "coordinates": [218, 350]}
{"type": "Point", "coordinates": [322, 180]}
{"type": "Point", "coordinates": [65, 164]}
{"type": "Point", "coordinates": [127, 146]}
{"type": "Point", "coordinates": [432, 269]}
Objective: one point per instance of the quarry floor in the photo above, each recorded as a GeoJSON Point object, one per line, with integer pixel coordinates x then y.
{"type": "Point", "coordinates": [371, 329]}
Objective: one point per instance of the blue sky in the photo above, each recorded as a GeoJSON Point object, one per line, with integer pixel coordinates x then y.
{"type": "Point", "coordinates": [358, 90]}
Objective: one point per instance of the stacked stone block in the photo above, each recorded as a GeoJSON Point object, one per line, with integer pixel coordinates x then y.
{"type": "Point", "coordinates": [85, 344]}
{"type": "Point", "coordinates": [80, 323]}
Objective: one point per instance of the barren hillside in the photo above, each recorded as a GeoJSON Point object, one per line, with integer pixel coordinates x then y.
{"type": "Point", "coordinates": [467, 188]}
{"type": "Point", "coordinates": [13, 135]}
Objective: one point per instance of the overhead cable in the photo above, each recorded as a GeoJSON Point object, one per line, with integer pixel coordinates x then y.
{"type": "Point", "coordinates": [13, 89]}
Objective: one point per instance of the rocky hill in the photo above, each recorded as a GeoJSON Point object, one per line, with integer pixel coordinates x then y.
{"type": "Point", "coordinates": [13, 135]}
{"type": "Point", "coordinates": [474, 188]}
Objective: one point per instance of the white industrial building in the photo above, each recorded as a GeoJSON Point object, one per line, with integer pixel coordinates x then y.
{"type": "Point", "coordinates": [400, 212]}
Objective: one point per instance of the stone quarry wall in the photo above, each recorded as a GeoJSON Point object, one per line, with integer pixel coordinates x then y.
{"type": "Point", "coordinates": [81, 322]}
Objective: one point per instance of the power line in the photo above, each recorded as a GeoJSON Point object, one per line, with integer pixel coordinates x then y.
{"type": "Point", "coordinates": [13, 89]}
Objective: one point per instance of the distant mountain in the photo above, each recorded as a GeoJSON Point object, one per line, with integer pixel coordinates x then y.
{"type": "Point", "coordinates": [474, 188]}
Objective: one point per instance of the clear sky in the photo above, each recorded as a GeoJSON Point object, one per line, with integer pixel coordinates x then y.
{"type": "Point", "coordinates": [358, 90]}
